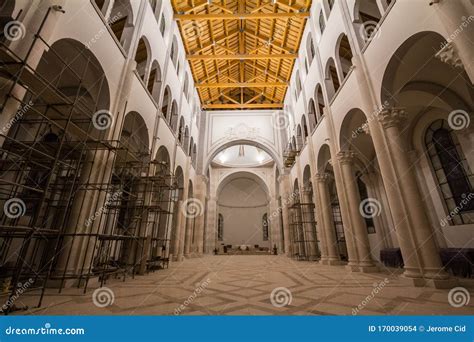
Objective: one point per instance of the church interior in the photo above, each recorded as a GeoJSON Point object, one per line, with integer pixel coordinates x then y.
{"type": "Point", "coordinates": [232, 157]}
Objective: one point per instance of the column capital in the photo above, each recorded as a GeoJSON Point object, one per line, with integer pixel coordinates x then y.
{"type": "Point", "coordinates": [392, 117]}
{"type": "Point", "coordinates": [367, 175]}
{"type": "Point", "coordinates": [322, 177]}
{"type": "Point", "coordinates": [306, 190]}
{"type": "Point", "coordinates": [449, 55]}
{"type": "Point", "coordinates": [346, 157]}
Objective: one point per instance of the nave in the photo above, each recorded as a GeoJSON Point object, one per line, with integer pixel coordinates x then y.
{"type": "Point", "coordinates": [243, 285]}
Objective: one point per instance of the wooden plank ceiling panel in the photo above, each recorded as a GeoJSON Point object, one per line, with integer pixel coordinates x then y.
{"type": "Point", "coordinates": [241, 52]}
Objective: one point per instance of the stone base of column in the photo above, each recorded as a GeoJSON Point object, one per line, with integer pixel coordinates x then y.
{"type": "Point", "coordinates": [177, 258]}
{"type": "Point", "coordinates": [368, 269]}
{"type": "Point", "coordinates": [442, 283]}
{"type": "Point", "coordinates": [193, 255]}
{"type": "Point", "coordinates": [434, 283]}
{"type": "Point", "coordinates": [335, 262]}
{"type": "Point", "coordinates": [408, 281]}
{"type": "Point", "coordinates": [352, 268]}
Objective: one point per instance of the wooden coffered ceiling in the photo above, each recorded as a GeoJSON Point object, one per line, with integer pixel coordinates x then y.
{"type": "Point", "coordinates": [241, 52]}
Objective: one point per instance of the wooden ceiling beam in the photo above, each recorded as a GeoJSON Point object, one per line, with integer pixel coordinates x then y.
{"type": "Point", "coordinates": [217, 41]}
{"type": "Point", "coordinates": [241, 57]}
{"type": "Point", "coordinates": [242, 106]}
{"type": "Point", "coordinates": [242, 85]}
{"type": "Point", "coordinates": [240, 16]}
{"type": "Point", "coordinates": [268, 41]}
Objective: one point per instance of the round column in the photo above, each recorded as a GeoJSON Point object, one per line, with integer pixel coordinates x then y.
{"type": "Point", "coordinates": [362, 246]}
{"type": "Point", "coordinates": [333, 257]}
{"type": "Point", "coordinates": [425, 254]}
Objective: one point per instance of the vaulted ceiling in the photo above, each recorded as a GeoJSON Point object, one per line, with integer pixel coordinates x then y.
{"type": "Point", "coordinates": [241, 52]}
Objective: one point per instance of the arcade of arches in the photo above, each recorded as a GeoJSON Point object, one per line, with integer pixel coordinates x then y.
{"type": "Point", "coordinates": [320, 147]}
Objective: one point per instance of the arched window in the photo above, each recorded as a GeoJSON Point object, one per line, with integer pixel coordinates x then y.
{"type": "Point", "coordinates": [319, 98]}
{"type": "Point", "coordinates": [181, 131]}
{"type": "Point", "coordinates": [141, 58]}
{"type": "Point", "coordinates": [174, 117]}
{"type": "Point", "coordinates": [220, 228]}
{"type": "Point", "coordinates": [190, 150]}
{"type": "Point", "coordinates": [310, 49]}
{"type": "Point", "coordinates": [120, 21]}
{"type": "Point", "coordinates": [313, 119]}
{"type": "Point", "coordinates": [174, 52]}
{"type": "Point", "coordinates": [305, 128]}
{"type": "Point", "coordinates": [194, 155]}
{"type": "Point", "coordinates": [331, 4]}
{"type": "Point", "coordinates": [162, 25]}
{"type": "Point", "coordinates": [369, 15]}
{"type": "Point", "coordinates": [101, 5]}
{"type": "Point", "coordinates": [154, 81]}
{"type": "Point", "coordinates": [332, 79]}
{"type": "Point", "coordinates": [265, 227]}
{"type": "Point", "coordinates": [166, 102]}
{"type": "Point", "coordinates": [152, 4]}
{"type": "Point", "coordinates": [345, 55]}
{"type": "Point", "coordinates": [299, 138]}
{"type": "Point", "coordinates": [455, 179]}
{"type": "Point", "coordinates": [186, 86]}
{"type": "Point", "coordinates": [298, 84]}
{"type": "Point", "coordinates": [322, 24]}
{"type": "Point", "coordinates": [186, 139]}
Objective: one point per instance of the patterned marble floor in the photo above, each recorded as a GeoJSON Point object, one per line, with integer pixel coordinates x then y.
{"type": "Point", "coordinates": [243, 285]}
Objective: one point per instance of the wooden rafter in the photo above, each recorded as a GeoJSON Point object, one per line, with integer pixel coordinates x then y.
{"type": "Point", "coordinates": [239, 16]}
{"type": "Point", "coordinates": [244, 51]}
{"type": "Point", "coordinates": [242, 85]}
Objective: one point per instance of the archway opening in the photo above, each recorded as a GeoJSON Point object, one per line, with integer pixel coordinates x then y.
{"type": "Point", "coordinates": [243, 209]}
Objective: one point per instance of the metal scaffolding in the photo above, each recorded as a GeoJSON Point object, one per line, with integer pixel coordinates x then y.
{"type": "Point", "coordinates": [78, 205]}
{"type": "Point", "coordinates": [303, 236]}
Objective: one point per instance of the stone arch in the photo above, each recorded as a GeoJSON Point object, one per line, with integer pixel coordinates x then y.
{"type": "Point", "coordinates": [155, 81]}
{"type": "Point", "coordinates": [344, 54]}
{"type": "Point", "coordinates": [166, 103]}
{"type": "Point", "coordinates": [142, 58]}
{"type": "Point", "coordinates": [263, 146]}
{"type": "Point", "coordinates": [331, 78]}
{"type": "Point", "coordinates": [121, 22]}
{"type": "Point", "coordinates": [323, 158]}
